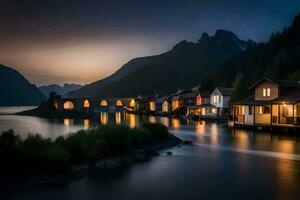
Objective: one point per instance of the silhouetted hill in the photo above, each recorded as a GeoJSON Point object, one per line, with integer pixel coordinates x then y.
{"type": "Point", "coordinates": [61, 90]}
{"type": "Point", "coordinates": [279, 58]}
{"type": "Point", "coordinates": [182, 67]}
{"type": "Point", "coordinates": [16, 90]}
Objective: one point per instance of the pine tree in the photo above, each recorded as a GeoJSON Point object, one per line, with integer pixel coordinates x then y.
{"type": "Point", "coordinates": [240, 89]}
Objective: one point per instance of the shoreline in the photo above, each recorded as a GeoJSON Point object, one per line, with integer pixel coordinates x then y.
{"type": "Point", "coordinates": [79, 171]}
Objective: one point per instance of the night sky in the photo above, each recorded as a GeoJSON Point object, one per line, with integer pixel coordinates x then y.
{"type": "Point", "coordinates": [72, 41]}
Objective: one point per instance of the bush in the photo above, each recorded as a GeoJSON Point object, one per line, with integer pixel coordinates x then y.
{"type": "Point", "coordinates": [36, 154]}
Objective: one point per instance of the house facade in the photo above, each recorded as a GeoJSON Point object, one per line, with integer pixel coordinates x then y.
{"type": "Point", "coordinates": [275, 103]}
{"type": "Point", "coordinates": [219, 101]}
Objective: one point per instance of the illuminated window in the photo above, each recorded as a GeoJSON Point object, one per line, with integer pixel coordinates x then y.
{"type": "Point", "coordinates": [198, 100]}
{"type": "Point", "coordinates": [68, 105]}
{"type": "Point", "coordinates": [216, 98]}
{"type": "Point", "coordinates": [264, 110]}
{"type": "Point", "coordinates": [119, 103]}
{"type": "Point", "coordinates": [132, 103]}
{"type": "Point", "coordinates": [243, 110]}
{"type": "Point", "coordinates": [103, 103]}
{"type": "Point", "coordinates": [266, 92]}
{"type": "Point", "coordinates": [203, 111]}
{"type": "Point", "coordinates": [214, 110]}
{"type": "Point", "coordinates": [165, 106]}
{"type": "Point", "coordinates": [260, 109]}
{"type": "Point", "coordinates": [86, 104]}
{"type": "Point", "coordinates": [152, 106]}
{"type": "Point", "coordinates": [175, 104]}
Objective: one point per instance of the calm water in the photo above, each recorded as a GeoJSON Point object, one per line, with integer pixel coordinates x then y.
{"type": "Point", "coordinates": [223, 164]}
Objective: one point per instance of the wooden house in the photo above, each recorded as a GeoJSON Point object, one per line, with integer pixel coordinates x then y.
{"type": "Point", "coordinates": [274, 103]}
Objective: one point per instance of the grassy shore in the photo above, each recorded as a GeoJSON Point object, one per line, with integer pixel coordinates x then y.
{"type": "Point", "coordinates": [35, 154]}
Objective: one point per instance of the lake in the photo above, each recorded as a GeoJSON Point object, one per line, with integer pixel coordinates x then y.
{"type": "Point", "coordinates": [222, 164]}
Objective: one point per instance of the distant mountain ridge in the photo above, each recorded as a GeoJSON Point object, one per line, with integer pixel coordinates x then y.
{"type": "Point", "coordinates": [61, 90]}
{"type": "Point", "coordinates": [181, 67]}
{"type": "Point", "coordinates": [16, 90]}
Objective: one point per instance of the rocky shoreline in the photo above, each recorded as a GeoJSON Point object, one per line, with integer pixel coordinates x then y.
{"type": "Point", "coordinates": [76, 172]}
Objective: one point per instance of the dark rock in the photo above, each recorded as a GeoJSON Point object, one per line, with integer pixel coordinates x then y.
{"type": "Point", "coordinates": [169, 153]}
{"type": "Point", "coordinates": [187, 142]}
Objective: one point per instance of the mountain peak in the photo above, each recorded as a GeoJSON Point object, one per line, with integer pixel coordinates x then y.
{"type": "Point", "coordinates": [224, 34]}
{"type": "Point", "coordinates": [204, 37]}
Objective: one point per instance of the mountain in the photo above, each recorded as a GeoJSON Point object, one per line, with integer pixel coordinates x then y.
{"type": "Point", "coordinates": [16, 90]}
{"type": "Point", "coordinates": [181, 67]}
{"type": "Point", "coordinates": [279, 58]}
{"type": "Point", "coordinates": [61, 90]}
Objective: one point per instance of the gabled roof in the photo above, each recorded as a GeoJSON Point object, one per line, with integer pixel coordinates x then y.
{"type": "Point", "coordinates": [285, 83]}
{"type": "Point", "coordinates": [289, 95]}
{"type": "Point", "coordinates": [225, 91]}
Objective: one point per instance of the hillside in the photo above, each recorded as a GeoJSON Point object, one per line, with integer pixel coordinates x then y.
{"type": "Point", "coordinates": [16, 90]}
{"type": "Point", "coordinates": [279, 58]}
{"type": "Point", "coordinates": [61, 90]}
{"type": "Point", "coordinates": [181, 67]}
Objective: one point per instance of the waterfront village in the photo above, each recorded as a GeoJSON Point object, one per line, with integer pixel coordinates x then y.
{"type": "Point", "coordinates": [273, 103]}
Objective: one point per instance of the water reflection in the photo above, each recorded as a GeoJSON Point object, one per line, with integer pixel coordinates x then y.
{"type": "Point", "coordinates": [200, 127]}
{"type": "Point", "coordinates": [118, 118]}
{"type": "Point", "coordinates": [261, 162]}
{"type": "Point", "coordinates": [175, 123]}
{"type": "Point", "coordinates": [152, 119]}
{"type": "Point", "coordinates": [68, 122]}
{"type": "Point", "coordinates": [165, 121]}
{"type": "Point", "coordinates": [86, 123]}
{"type": "Point", "coordinates": [103, 118]}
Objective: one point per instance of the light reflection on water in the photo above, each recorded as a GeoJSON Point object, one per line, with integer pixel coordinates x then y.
{"type": "Point", "coordinates": [233, 161]}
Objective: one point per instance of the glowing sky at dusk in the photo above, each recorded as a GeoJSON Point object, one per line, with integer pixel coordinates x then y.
{"type": "Point", "coordinates": [72, 41]}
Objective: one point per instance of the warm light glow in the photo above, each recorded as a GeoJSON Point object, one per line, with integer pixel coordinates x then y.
{"type": "Point", "coordinates": [198, 100]}
{"type": "Point", "coordinates": [165, 106]}
{"type": "Point", "coordinates": [214, 133]}
{"type": "Point", "coordinates": [266, 92]}
{"type": "Point", "coordinates": [175, 123]}
{"type": "Point", "coordinates": [200, 127]}
{"type": "Point", "coordinates": [132, 103]}
{"type": "Point", "coordinates": [118, 118]}
{"type": "Point", "coordinates": [216, 98]}
{"type": "Point", "coordinates": [86, 123]}
{"type": "Point", "coordinates": [68, 122]}
{"type": "Point", "coordinates": [86, 104]}
{"type": "Point", "coordinates": [132, 121]}
{"type": "Point", "coordinates": [175, 104]}
{"type": "Point", "coordinates": [214, 110]}
{"type": "Point", "coordinates": [203, 111]}
{"type": "Point", "coordinates": [260, 110]}
{"type": "Point", "coordinates": [119, 103]}
{"type": "Point", "coordinates": [103, 103]}
{"type": "Point", "coordinates": [152, 106]}
{"type": "Point", "coordinates": [152, 119]}
{"type": "Point", "coordinates": [68, 105]}
{"type": "Point", "coordinates": [103, 118]}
